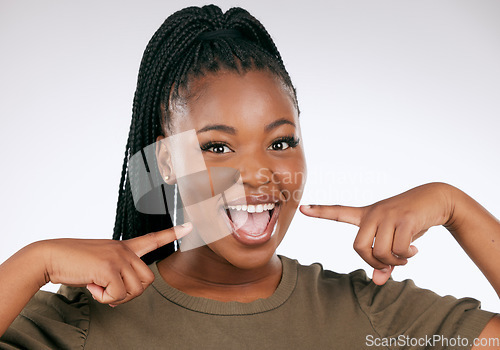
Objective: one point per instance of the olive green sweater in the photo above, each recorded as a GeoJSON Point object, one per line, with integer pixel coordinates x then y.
{"type": "Point", "coordinates": [312, 308]}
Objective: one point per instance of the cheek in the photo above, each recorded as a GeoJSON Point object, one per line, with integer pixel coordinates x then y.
{"type": "Point", "coordinates": [291, 176]}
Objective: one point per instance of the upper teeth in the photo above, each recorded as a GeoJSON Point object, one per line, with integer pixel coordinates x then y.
{"type": "Point", "coordinates": [259, 208]}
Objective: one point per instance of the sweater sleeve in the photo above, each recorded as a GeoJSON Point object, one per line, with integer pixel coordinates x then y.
{"type": "Point", "coordinates": [50, 321]}
{"type": "Point", "coordinates": [419, 318]}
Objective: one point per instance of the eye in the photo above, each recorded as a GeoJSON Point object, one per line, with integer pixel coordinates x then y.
{"type": "Point", "coordinates": [283, 143]}
{"type": "Point", "coordinates": [279, 146]}
{"type": "Point", "coordinates": [215, 147]}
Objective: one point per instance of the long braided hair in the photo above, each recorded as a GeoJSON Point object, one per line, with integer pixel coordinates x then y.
{"type": "Point", "coordinates": [182, 49]}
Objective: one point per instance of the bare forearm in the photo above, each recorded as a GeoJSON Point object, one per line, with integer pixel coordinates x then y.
{"type": "Point", "coordinates": [478, 232]}
{"type": "Point", "coordinates": [21, 277]}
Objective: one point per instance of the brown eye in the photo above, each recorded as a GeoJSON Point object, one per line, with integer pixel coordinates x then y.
{"type": "Point", "coordinates": [279, 146]}
{"type": "Point", "coordinates": [283, 143]}
{"type": "Point", "coordinates": [218, 148]}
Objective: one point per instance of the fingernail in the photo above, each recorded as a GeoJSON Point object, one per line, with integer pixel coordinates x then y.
{"type": "Point", "coordinates": [306, 206]}
{"type": "Point", "coordinates": [112, 305]}
{"type": "Point", "coordinates": [92, 295]}
{"type": "Point", "coordinates": [184, 230]}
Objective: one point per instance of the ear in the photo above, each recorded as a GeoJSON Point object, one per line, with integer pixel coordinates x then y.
{"type": "Point", "coordinates": [164, 160]}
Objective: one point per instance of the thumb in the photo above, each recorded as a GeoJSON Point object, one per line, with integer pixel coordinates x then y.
{"type": "Point", "coordinates": [381, 276]}
{"type": "Point", "coordinates": [350, 215]}
{"type": "Point", "coordinates": [100, 294]}
{"type": "Point", "coordinates": [154, 240]}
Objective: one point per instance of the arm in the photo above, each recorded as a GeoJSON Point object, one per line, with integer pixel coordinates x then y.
{"type": "Point", "coordinates": [387, 229]}
{"type": "Point", "coordinates": [490, 332]}
{"type": "Point", "coordinates": [478, 233]}
{"type": "Point", "coordinates": [24, 272]}
{"type": "Point", "coordinates": [112, 270]}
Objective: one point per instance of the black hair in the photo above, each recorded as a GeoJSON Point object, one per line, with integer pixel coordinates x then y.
{"type": "Point", "coordinates": [185, 47]}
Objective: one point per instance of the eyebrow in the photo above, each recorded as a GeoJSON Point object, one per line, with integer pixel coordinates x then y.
{"type": "Point", "coordinates": [218, 127]}
{"type": "Point", "coordinates": [232, 131]}
{"type": "Point", "coordinates": [277, 123]}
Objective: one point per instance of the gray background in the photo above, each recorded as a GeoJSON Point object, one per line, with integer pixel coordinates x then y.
{"type": "Point", "coordinates": [393, 94]}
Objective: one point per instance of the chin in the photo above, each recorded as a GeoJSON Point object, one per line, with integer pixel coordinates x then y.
{"type": "Point", "coordinates": [246, 257]}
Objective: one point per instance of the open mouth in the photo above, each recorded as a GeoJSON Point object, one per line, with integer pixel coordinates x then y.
{"type": "Point", "coordinates": [252, 224]}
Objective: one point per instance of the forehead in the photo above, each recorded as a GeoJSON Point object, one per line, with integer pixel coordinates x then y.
{"type": "Point", "coordinates": [241, 100]}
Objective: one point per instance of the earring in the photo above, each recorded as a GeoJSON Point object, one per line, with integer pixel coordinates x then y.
{"type": "Point", "coordinates": [166, 178]}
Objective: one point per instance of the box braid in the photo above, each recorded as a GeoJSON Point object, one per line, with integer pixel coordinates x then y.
{"type": "Point", "coordinates": [177, 53]}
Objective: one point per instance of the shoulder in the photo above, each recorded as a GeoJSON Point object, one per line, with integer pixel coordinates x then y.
{"type": "Point", "coordinates": [362, 287]}
{"type": "Point", "coordinates": [315, 274]}
{"type": "Point", "coordinates": [368, 294]}
{"type": "Point", "coordinates": [51, 320]}
{"type": "Point", "coordinates": [395, 307]}
{"type": "Point", "coordinates": [69, 305]}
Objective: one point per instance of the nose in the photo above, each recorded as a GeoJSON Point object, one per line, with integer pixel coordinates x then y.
{"type": "Point", "coordinates": [255, 170]}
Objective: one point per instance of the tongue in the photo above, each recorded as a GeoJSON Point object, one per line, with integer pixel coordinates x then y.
{"type": "Point", "coordinates": [250, 223]}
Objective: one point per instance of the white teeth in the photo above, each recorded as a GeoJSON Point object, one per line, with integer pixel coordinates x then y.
{"type": "Point", "coordinates": [269, 206]}
{"type": "Point", "coordinates": [259, 208]}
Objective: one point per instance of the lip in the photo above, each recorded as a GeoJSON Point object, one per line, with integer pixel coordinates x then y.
{"type": "Point", "coordinates": [245, 238]}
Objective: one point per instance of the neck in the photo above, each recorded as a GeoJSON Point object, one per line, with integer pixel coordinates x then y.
{"type": "Point", "coordinates": [202, 273]}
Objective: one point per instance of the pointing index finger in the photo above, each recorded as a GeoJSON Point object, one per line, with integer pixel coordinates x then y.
{"type": "Point", "coordinates": [154, 240]}
{"type": "Point", "coordinates": [350, 215]}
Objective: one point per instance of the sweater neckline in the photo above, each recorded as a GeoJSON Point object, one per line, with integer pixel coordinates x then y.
{"type": "Point", "coordinates": [216, 307]}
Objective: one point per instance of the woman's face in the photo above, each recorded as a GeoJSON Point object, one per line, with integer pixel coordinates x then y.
{"type": "Point", "coordinates": [249, 123]}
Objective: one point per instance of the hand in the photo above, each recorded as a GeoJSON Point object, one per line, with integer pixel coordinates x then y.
{"type": "Point", "coordinates": [387, 228]}
{"type": "Point", "coordinates": [112, 270]}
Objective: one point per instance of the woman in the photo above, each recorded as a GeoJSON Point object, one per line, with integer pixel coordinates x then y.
{"type": "Point", "coordinates": [220, 79]}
